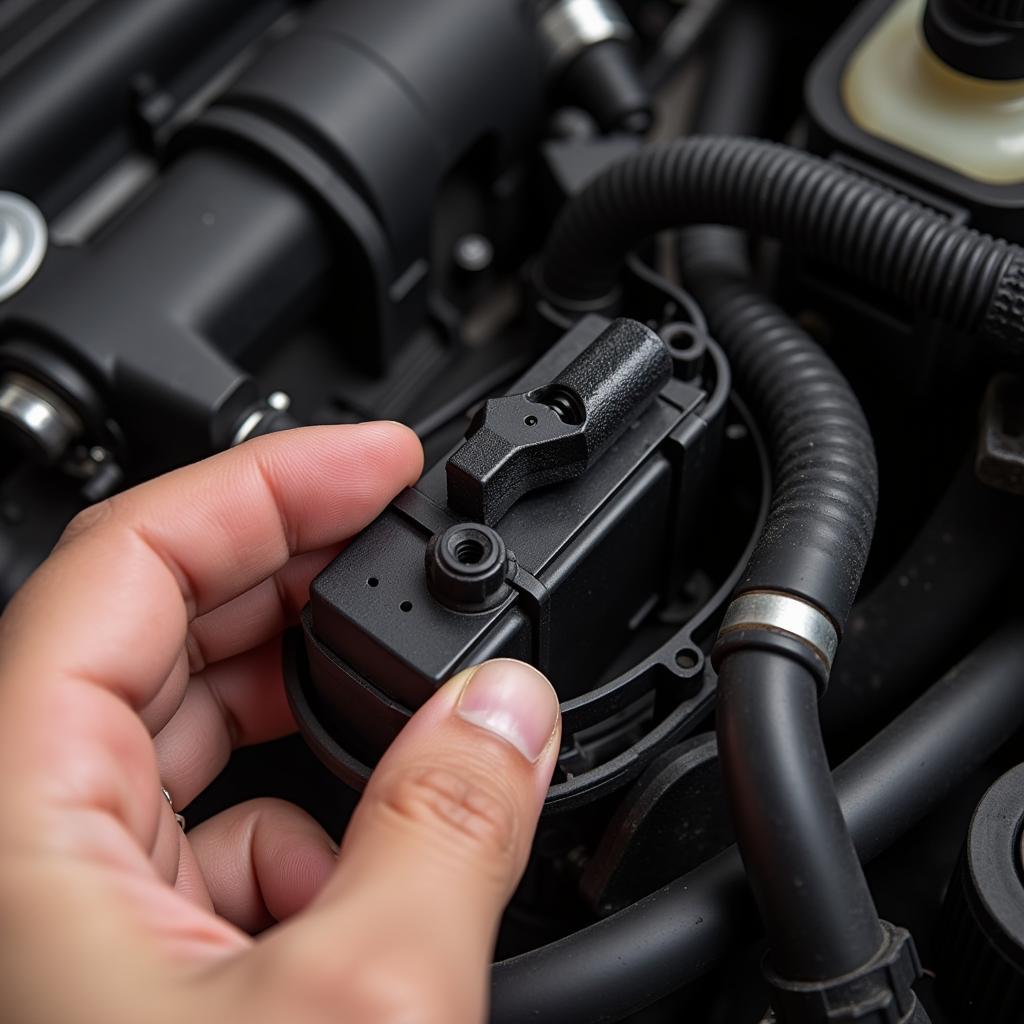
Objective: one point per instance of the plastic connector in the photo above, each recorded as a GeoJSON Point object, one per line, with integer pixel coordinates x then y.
{"type": "Point", "coordinates": [880, 992]}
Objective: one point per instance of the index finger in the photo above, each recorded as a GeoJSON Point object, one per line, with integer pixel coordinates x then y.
{"type": "Point", "coordinates": [117, 594]}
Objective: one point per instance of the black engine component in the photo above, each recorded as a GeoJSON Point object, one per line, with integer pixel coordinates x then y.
{"type": "Point", "coordinates": [239, 248]}
{"type": "Point", "coordinates": [725, 435]}
{"type": "Point", "coordinates": [487, 565]}
{"type": "Point", "coordinates": [982, 38]}
{"type": "Point", "coordinates": [981, 936]}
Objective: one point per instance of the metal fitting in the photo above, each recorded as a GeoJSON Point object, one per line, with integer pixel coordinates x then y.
{"type": "Point", "coordinates": [787, 615]}
{"type": "Point", "coordinates": [23, 239]}
{"type": "Point", "coordinates": [257, 420]}
{"type": "Point", "coordinates": [571, 26]}
{"type": "Point", "coordinates": [45, 423]}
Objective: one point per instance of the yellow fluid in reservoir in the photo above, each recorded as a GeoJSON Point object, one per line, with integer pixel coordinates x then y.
{"type": "Point", "coordinates": [896, 89]}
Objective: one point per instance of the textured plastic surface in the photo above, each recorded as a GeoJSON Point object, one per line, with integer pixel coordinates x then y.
{"type": "Point", "coordinates": [555, 432]}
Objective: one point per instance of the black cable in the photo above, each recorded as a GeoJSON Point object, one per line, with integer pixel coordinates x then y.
{"type": "Point", "coordinates": [668, 939]}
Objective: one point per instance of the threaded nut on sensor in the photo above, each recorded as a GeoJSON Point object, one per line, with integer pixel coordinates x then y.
{"type": "Point", "coordinates": [468, 566]}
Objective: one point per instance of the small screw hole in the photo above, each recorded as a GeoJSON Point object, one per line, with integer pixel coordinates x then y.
{"type": "Point", "coordinates": [372, 581]}
{"type": "Point", "coordinates": [530, 421]}
{"type": "Point", "coordinates": [469, 551]}
{"type": "Point", "coordinates": [406, 606]}
{"type": "Point", "coordinates": [688, 659]}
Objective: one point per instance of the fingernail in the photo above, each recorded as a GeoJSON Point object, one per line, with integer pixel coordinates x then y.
{"type": "Point", "coordinates": [513, 701]}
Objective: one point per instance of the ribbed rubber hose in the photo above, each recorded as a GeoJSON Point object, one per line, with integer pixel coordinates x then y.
{"type": "Point", "coordinates": [825, 478]}
{"type": "Point", "coordinates": [818, 911]}
{"type": "Point", "coordinates": [802, 866]}
{"type": "Point", "coordinates": [970, 281]}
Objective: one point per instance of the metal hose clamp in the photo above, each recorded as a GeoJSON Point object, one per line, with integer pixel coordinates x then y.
{"type": "Point", "coordinates": [786, 615]}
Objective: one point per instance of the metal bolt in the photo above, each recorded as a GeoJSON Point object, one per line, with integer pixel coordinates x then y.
{"type": "Point", "coordinates": [41, 417]}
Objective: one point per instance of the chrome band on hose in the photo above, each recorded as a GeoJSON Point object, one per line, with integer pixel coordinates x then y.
{"type": "Point", "coordinates": [785, 614]}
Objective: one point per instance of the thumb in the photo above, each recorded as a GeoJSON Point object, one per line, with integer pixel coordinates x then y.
{"type": "Point", "coordinates": [441, 837]}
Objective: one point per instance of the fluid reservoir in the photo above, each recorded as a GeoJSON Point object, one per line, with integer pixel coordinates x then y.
{"type": "Point", "coordinates": [897, 88]}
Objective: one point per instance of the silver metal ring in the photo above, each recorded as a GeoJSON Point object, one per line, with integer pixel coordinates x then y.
{"type": "Point", "coordinates": [179, 818]}
{"type": "Point", "coordinates": [248, 426]}
{"type": "Point", "coordinates": [39, 414]}
{"type": "Point", "coordinates": [785, 614]}
{"type": "Point", "coordinates": [23, 238]}
{"type": "Point", "coordinates": [568, 27]}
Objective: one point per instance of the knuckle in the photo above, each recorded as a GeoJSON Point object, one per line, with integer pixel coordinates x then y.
{"type": "Point", "coordinates": [385, 989]}
{"type": "Point", "coordinates": [88, 519]}
{"type": "Point", "coordinates": [479, 818]}
{"type": "Point", "coordinates": [402, 992]}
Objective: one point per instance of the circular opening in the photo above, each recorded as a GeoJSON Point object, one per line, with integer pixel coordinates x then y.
{"type": "Point", "coordinates": [565, 404]}
{"type": "Point", "coordinates": [469, 551]}
{"type": "Point", "coordinates": [372, 581]}
{"type": "Point", "coordinates": [688, 659]}
{"type": "Point", "coordinates": [406, 606]}
{"type": "Point", "coordinates": [530, 421]}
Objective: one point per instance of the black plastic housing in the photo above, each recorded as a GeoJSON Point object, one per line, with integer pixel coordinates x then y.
{"type": "Point", "coordinates": [592, 557]}
{"type": "Point", "coordinates": [292, 191]}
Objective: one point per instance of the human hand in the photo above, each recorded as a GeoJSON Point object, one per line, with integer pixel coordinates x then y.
{"type": "Point", "coordinates": [137, 657]}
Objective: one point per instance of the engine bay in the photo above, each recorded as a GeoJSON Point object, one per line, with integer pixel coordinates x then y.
{"type": "Point", "coordinates": [709, 315]}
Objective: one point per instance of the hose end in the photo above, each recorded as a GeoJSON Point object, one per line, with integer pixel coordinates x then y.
{"type": "Point", "coordinates": [880, 992]}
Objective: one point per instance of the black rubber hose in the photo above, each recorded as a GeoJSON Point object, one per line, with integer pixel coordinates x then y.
{"type": "Point", "coordinates": [808, 883]}
{"type": "Point", "coordinates": [668, 939]}
{"type": "Point", "coordinates": [968, 280]}
{"type": "Point", "coordinates": [817, 537]}
{"type": "Point", "coordinates": [807, 880]}
{"type": "Point", "coordinates": [825, 483]}
{"type": "Point", "coordinates": [818, 910]}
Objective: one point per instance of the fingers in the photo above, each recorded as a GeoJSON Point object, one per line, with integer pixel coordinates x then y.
{"type": "Point", "coordinates": [432, 855]}
{"type": "Point", "coordinates": [232, 704]}
{"type": "Point", "coordinates": [259, 614]}
{"type": "Point", "coordinates": [151, 559]}
{"type": "Point", "coordinates": [103, 622]}
{"type": "Point", "coordinates": [263, 861]}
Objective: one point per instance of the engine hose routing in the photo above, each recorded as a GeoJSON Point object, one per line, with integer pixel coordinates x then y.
{"type": "Point", "coordinates": [970, 281]}
{"type": "Point", "coordinates": [672, 937]}
{"type": "Point", "coordinates": [781, 631]}
{"type": "Point", "coordinates": [815, 902]}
